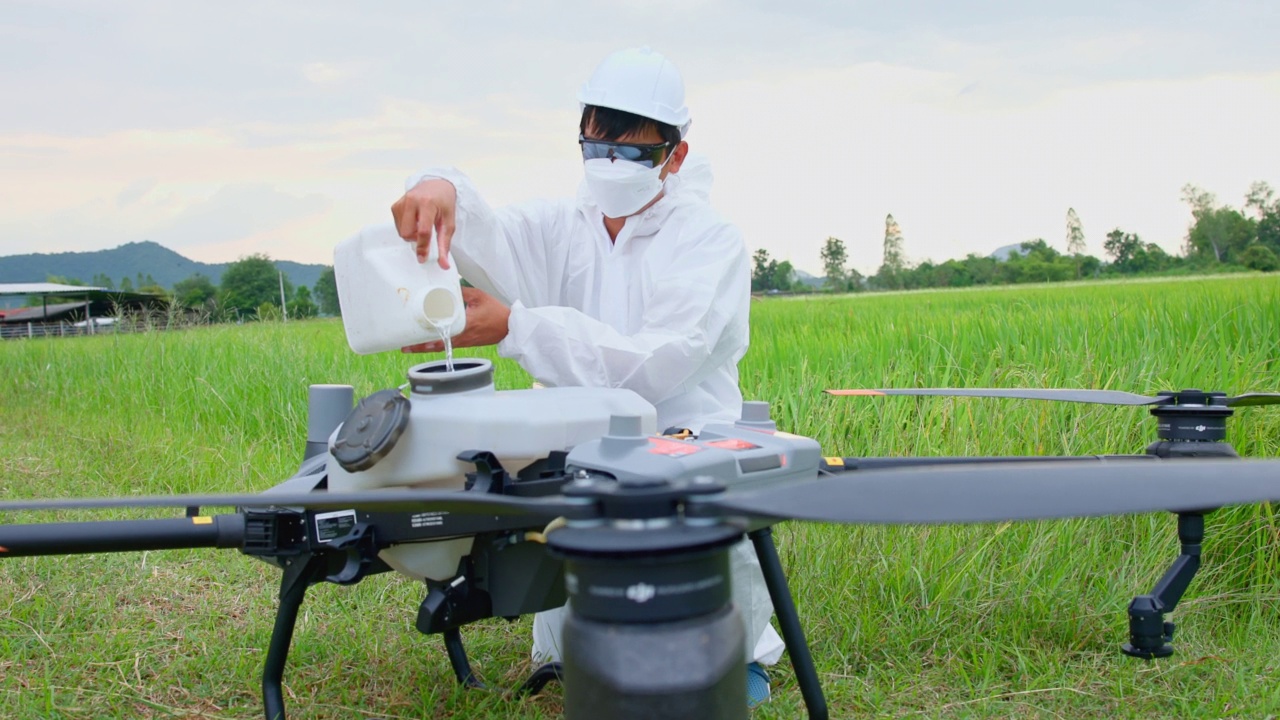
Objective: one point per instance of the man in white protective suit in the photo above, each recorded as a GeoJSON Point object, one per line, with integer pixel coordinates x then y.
{"type": "Point", "coordinates": [637, 283]}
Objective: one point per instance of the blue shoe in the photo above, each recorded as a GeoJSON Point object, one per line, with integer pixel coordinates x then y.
{"type": "Point", "coordinates": [757, 684]}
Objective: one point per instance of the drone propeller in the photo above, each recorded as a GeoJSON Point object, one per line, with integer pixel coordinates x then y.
{"type": "Point", "coordinates": [961, 494]}
{"type": "Point", "coordinates": [1098, 397]}
{"type": "Point", "coordinates": [1014, 491]}
{"type": "Point", "coordinates": [465, 503]}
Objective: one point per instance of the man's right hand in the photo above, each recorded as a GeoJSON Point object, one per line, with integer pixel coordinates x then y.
{"type": "Point", "coordinates": [431, 206]}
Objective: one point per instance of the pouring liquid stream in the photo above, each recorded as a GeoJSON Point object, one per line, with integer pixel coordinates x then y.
{"type": "Point", "coordinates": [446, 336]}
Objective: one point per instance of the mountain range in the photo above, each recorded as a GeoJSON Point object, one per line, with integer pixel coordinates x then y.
{"type": "Point", "coordinates": [131, 260]}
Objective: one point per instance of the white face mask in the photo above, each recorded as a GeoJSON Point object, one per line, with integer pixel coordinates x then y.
{"type": "Point", "coordinates": [621, 187]}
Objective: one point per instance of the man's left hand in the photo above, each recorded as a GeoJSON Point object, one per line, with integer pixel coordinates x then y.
{"type": "Point", "coordinates": [486, 323]}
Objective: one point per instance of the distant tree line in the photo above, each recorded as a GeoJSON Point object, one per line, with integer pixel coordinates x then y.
{"type": "Point", "coordinates": [1219, 239]}
{"type": "Point", "coordinates": [250, 288]}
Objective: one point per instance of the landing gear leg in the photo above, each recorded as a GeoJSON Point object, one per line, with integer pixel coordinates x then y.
{"type": "Point", "coordinates": [789, 622]}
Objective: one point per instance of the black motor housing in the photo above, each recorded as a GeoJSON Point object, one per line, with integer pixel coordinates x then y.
{"type": "Point", "coordinates": [637, 599]}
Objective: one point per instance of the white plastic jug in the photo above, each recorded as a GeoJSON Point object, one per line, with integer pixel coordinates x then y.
{"type": "Point", "coordinates": [388, 298]}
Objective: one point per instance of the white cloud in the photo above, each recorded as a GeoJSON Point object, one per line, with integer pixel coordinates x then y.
{"type": "Point", "coordinates": [328, 74]}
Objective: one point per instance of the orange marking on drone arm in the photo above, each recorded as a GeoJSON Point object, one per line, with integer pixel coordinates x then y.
{"type": "Point", "coordinates": [853, 392]}
{"type": "Point", "coordinates": [3, 549]}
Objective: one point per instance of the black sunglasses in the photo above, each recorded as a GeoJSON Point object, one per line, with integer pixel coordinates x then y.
{"type": "Point", "coordinates": [646, 155]}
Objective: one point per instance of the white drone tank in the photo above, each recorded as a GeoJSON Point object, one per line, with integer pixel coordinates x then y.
{"type": "Point", "coordinates": [389, 441]}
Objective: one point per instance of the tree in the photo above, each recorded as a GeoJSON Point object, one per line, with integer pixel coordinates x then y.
{"type": "Point", "coordinates": [1224, 232]}
{"type": "Point", "coordinates": [853, 280]}
{"type": "Point", "coordinates": [1075, 238]}
{"type": "Point", "coordinates": [1039, 263]}
{"type": "Point", "coordinates": [326, 291]}
{"type": "Point", "coordinates": [1090, 266]}
{"type": "Point", "coordinates": [1122, 247]}
{"type": "Point", "coordinates": [782, 276]}
{"type": "Point", "coordinates": [151, 287]}
{"type": "Point", "coordinates": [158, 291]}
{"type": "Point", "coordinates": [301, 306]}
{"type": "Point", "coordinates": [982, 268]}
{"type": "Point", "coordinates": [1268, 234]}
{"type": "Point", "coordinates": [103, 280]}
{"type": "Point", "coordinates": [248, 283]}
{"type": "Point", "coordinates": [834, 258]}
{"type": "Point", "coordinates": [1259, 257]}
{"type": "Point", "coordinates": [1201, 202]}
{"type": "Point", "coordinates": [126, 285]}
{"type": "Point", "coordinates": [1040, 250]}
{"type": "Point", "coordinates": [194, 291]}
{"type": "Point", "coordinates": [1150, 257]}
{"type": "Point", "coordinates": [893, 257]}
{"type": "Point", "coordinates": [1261, 199]}
{"type": "Point", "coordinates": [771, 275]}
{"type": "Point", "coordinates": [894, 262]}
{"type": "Point", "coordinates": [268, 312]}
{"type": "Point", "coordinates": [1075, 233]}
{"type": "Point", "coordinates": [760, 271]}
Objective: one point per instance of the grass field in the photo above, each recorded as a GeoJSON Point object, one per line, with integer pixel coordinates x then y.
{"type": "Point", "coordinates": [1012, 620]}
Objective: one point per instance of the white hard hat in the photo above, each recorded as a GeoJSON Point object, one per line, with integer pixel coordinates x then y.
{"type": "Point", "coordinates": [638, 81]}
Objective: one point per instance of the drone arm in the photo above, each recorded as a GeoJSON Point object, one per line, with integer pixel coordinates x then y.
{"type": "Point", "coordinates": [73, 538]}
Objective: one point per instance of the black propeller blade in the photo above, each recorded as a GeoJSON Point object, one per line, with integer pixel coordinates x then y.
{"type": "Point", "coordinates": [470, 503]}
{"type": "Point", "coordinates": [1011, 491]}
{"type": "Point", "coordinates": [1254, 399]}
{"type": "Point", "coordinates": [1105, 397]}
{"type": "Point", "coordinates": [1098, 397]}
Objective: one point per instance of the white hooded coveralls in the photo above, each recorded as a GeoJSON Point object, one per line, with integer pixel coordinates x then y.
{"type": "Point", "coordinates": [662, 311]}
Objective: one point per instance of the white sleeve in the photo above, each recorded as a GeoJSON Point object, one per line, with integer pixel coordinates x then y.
{"type": "Point", "coordinates": [513, 253]}
{"type": "Point", "coordinates": [694, 321]}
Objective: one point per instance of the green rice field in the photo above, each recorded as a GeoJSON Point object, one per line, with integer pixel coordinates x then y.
{"type": "Point", "coordinates": [985, 621]}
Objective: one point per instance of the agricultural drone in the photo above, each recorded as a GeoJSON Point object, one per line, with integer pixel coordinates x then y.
{"type": "Point", "coordinates": [633, 528]}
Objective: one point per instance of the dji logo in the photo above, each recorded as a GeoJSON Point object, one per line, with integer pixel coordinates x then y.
{"type": "Point", "coordinates": [641, 592]}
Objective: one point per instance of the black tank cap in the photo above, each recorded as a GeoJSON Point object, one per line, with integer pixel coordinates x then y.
{"type": "Point", "coordinates": [371, 430]}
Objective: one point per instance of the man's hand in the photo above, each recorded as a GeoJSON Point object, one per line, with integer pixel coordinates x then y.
{"type": "Point", "coordinates": [486, 323]}
{"type": "Point", "coordinates": [430, 206]}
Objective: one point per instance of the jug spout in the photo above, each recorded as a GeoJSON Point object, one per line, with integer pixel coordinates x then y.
{"type": "Point", "coordinates": [438, 309]}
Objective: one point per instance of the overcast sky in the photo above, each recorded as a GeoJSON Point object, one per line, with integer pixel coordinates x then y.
{"type": "Point", "coordinates": [222, 129]}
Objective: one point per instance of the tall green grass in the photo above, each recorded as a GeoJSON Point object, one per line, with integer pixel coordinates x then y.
{"type": "Point", "coordinates": [1006, 620]}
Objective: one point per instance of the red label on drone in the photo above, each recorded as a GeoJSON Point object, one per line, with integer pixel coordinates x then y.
{"type": "Point", "coordinates": [732, 444]}
{"type": "Point", "coordinates": [675, 448]}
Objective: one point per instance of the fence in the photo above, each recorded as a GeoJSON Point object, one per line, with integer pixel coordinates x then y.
{"type": "Point", "coordinates": [130, 323]}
